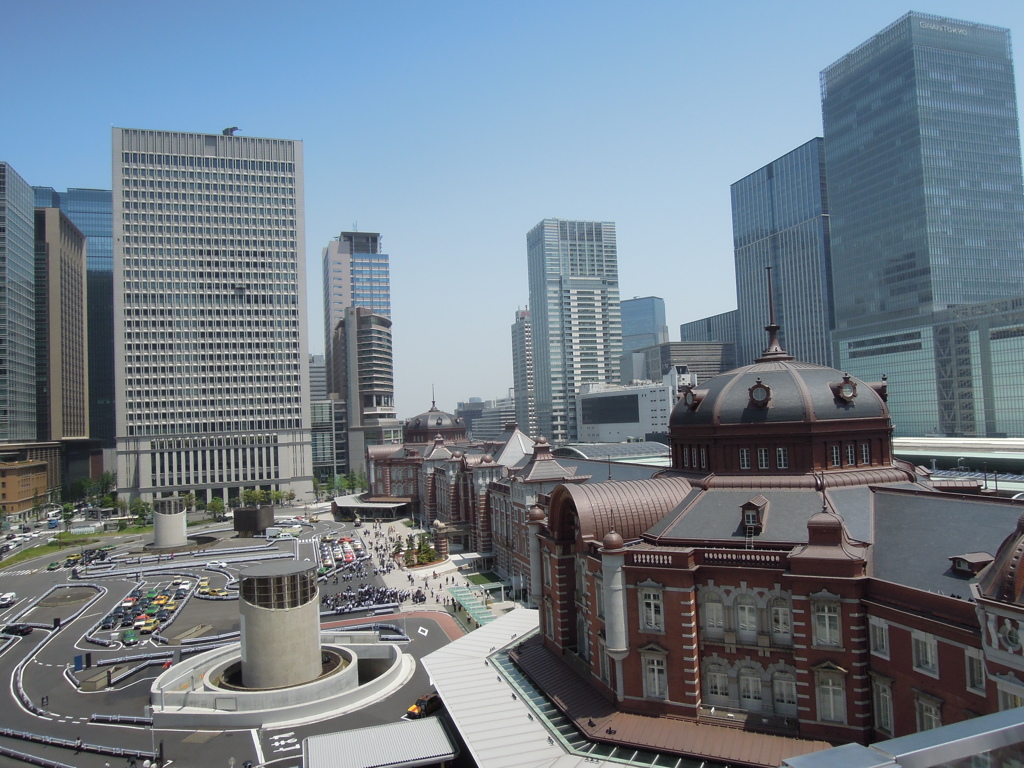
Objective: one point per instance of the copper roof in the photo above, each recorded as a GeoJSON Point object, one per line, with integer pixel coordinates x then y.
{"type": "Point", "coordinates": [578, 701]}
{"type": "Point", "coordinates": [629, 507]}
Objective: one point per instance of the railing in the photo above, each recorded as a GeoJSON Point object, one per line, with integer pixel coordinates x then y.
{"type": "Point", "coordinates": [746, 558]}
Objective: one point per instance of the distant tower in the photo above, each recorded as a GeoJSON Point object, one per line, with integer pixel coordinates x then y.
{"type": "Point", "coordinates": [522, 373]}
{"type": "Point", "coordinates": [17, 308]}
{"type": "Point", "coordinates": [169, 523]}
{"type": "Point", "coordinates": [780, 220]}
{"type": "Point", "coordinates": [279, 607]}
{"type": "Point", "coordinates": [355, 274]}
{"type": "Point", "coordinates": [575, 316]}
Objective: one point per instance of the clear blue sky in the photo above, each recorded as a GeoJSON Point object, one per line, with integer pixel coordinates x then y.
{"type": "Point", "coordinates": [452, 128]}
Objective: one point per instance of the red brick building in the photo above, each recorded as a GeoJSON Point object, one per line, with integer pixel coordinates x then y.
{"type": "Point", "coordinates": [788, 575]}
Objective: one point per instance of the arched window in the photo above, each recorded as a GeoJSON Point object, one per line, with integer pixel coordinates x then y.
{"type": "Point", "coordinates": [750, 690]}
{"type": "Point", "coordinates": [746, 619]}
{"type": "Point", "coordinates": [781, 622]}
{"type": "Point", "coordinates": [784, 694]}
{"type": "Point", "coordinates": [716, 685]}
{"type": "Point", "coordinates": [714, 615]}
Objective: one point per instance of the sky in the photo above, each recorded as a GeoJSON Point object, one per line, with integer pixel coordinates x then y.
{"type": "Point", "coordinates": [452, 128]}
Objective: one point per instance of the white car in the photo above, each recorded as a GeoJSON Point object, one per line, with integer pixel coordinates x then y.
{"type": "Point", "coordinates": [7, 599]}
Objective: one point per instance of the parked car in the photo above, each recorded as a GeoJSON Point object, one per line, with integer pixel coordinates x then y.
{"type": "Point", "coordinates": [425, 704]}
{"type": "Point", "coordinates": [130, 637]}
{"type": "Point", "coordinates": [18, 629]}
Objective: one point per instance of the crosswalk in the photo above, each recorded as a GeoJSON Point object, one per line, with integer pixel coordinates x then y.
{"type": "Point", "coordinates": [22, 572]}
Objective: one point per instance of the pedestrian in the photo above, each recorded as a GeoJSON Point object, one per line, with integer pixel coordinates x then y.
{"type": "Point", "coordinates": [78, 744]}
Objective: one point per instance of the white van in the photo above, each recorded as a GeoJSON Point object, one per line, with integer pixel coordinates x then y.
{"type": "Point", "coordinates": [7, 599]}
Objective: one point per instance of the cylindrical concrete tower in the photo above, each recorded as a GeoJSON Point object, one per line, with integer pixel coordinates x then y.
{"type": "Point", "coordinates": [169, 523]}
{"type": "Point", "coordinates": [280, 624]}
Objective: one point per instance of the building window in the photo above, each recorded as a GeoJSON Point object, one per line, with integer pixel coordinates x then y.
{"type": "Point", "coordinates": [835, 456]}
{"type": "Point", "coordinates": [582, 637]}
{"type": "Point", "coordinates": [603, 667]}
{"type": "Point", "coordinates": [784, 694]}
{"type": "Point", "coordinates": [762, 458]}
{"type": "Point", "coordinates": [750, 518]}
{"type": "Point", "coordinates": [655, 686]}
{"type": "Point", "coordinates": [975, 671]}
{"type": "Point", "coordinates": [1010, 699]}
{"type": "Point", "coordinates": [693, 456]}
{"type": "Point", "coordinates": [746, 619]}
{"type": "Point", "coordinates": [703, 458]}
{"type": "Point", "coordinates": [750, 692]}
{"type": "Point", "coordinates": [547, 570]}
{"type": "Point", "coordinates": [744, 458]}
{"type": "Point", "coordinates": [831, 698]}
{"type": "Point", "coordinates": [881, 694]}
{"type": "Point", "coordinates": [851, 454]}
{"type": "Point", "coordinates": [717, 684]}
{"type": "Point", "coordinates": [879, 637]}
{"type": "Point", "coordinates": [782, 458]}
{"type": "Point", "coordinates": [925, 651]}
{"type": "Point", "coordinates": [826, 624]}
{"type": "Point", "coordinates": [599, 597]}
{"type": "Point", "coordinates": [929, 712]}
{"type": "Point", "coordinates": [782, 632]}
{"type": "Point", "coordinates": [651, 610]}
{"type": "Point", "coordinates": [686, 457]}
{"type": "Point", "coordinates": [865, 453]}
{"type": "Point", "coordinates": [714, 615]}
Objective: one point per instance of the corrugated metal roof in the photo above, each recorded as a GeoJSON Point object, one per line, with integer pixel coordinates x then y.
{"type": "Point", "coordinates": [497, 729]}
{"type": "Point", "coordinates": [408, 743]}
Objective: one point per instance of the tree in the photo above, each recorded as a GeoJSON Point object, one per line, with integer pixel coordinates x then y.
{"type": "Point", "coordinates": [262, 497]}
{"type": "Point", "coordinates": [106, 484]}
{"type": "Point", "coordinates": [318, 489]}
{"type": "Point", "coordinates": [289, 496]}
{"type": "Point", "coordinates": [67, 514]}
{"type": "Point", "coordinates": [250, 496]}
{"type": "Point", "coordinates": [361, 481]}
{"type": "Point", "coordinates": [216, 506]}
{"type": "Point", "coordinates": [190, 502]}
{"type": "Point", "coordinates": [233, 502]}
{"type": "Point", "coordinates": [140, 509]}
{"type": "Point", "coordinates": [122, 506]}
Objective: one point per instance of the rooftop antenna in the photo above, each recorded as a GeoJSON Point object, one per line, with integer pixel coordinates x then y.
{"type": "Point", "coordinates": [433, 400]}
{"type": "Point", "coordinates": [774, 350]}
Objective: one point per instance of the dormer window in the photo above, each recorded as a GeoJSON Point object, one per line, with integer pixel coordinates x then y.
{"type": "Point", "coordinates": [845, 390]}
{"type": "Point", "coordinates": [753, 515]}
{"type": "Point", "coordinates": [969, 564]}
{"type": "Point", "coordinates": [760, 394]}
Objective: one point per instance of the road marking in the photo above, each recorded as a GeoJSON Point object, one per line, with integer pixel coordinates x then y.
{"type": "Point", "coordinates": [259, 747]}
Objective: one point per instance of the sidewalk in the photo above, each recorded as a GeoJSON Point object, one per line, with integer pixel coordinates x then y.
{"type": "Point", "coordinates": [448, 575]}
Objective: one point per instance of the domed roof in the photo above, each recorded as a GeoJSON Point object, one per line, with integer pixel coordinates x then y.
{"type": "Point", "coordinates": [435, 420]}
{"type": "Point", "coordinates": [779, 390]}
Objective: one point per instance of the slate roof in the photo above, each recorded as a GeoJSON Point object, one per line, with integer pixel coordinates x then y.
{"type": "Point", "coordinates": [916, 533]}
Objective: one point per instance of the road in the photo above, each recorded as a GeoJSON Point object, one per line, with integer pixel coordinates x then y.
{"type": "Point", "coordinates": [44, 656]}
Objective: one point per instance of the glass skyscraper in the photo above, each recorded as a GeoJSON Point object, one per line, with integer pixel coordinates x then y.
{"type": "Point", "coordinates": [17, 308]}
{"type": "Point", "coordinates": [209, 312]}
{"type": "Point", "coordinates": [356, 274]}
{"type": "Point", "coordinates": [92, 211]}
{"type": "Point", "coordinates": [575, 317]}
{"type": "Point", "coordinates": [922, 148]}
{"type": "Point", "coordinates": [780, 219]}
{"type": "Point", "coordinates": [643, 323]}
{"type": "Point", "coordinates": [522, 373]}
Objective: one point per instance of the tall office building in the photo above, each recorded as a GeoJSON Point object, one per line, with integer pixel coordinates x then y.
{"type": "Point", "coordinates": [317, 378]}
{"type": "Point", "coordinates": [643, 323]}
{"type": "Point", "coordinates": [922, 148]}
{"type": "Point", "coordinates": [575, 316]}
{"type": "Point", "coordinates": [365, 379]}
{"type": "Point", "coordinates": [356, 274]}
{"type": "Point", "coordinates": [780, 220]}
{"type": "Point", "coordinates": [209, 310]}
{"type": "Point", "coordinates": [522, 373]}
{"type": "Point", "coordinates": [92, 211]}
{"type": "Point", "coordinates": [62, 357]}
{"type": "Point", "coordinates": [17, 308]}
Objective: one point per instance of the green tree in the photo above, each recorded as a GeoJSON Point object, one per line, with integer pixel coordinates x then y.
{"type": "Point", "coordinates": [190, 502]}
{"type": "Point", "coordinates": [289, 495]}
{"type": "Point", "coordinates": [318, 489]}
{"type": "Point", "coordinates": [140, 510]}
{"type": "Point", "coordinates": [233, 502]}
{"type": "Point", "coordinates": [67, 514]}
{"type": "Point", "coordinates": [216, 506]}
{"type": "Point", "coordinates": [262, 497]}
{"type": "Point", "coordinates": [122, 506]}
{"type": "Point", "coordinates": [276, 497]}
{"type": "Point", "coordinates": [250, 496]}
{"type": "Point", "coordinates": [361, 481]}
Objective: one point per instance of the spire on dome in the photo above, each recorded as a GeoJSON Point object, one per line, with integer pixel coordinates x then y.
{"type": "Point", "coordinates": [774, 350]}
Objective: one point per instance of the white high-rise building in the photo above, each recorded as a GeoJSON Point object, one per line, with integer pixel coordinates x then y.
{"type": "Point", "coordinates": [522, 372]}
{"type": "Point", "coordinates": [209, 306]}
{"type": "Point", "coordinates": [574, 315]}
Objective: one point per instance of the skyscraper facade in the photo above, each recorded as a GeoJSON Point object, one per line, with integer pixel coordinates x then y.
{"type": "Point", "coordinates": [522, 373]}
{"type": "Point", "coordinates": [780, 220]}
{"type": "Point", "coordinates": [62, 366]}
{"type": "Point", "coordinates": [91, 210]}
{"type": "Point", "coordinates": [922, 148]}
{"type": "Point", "coordinates": [209, 310]}
{"type": "Point", "coordinates": [365, 378]}
{"type": "Point", "coordinates": [575, 316]}
{"type": "Point", "coordinates": [17, 308]}
{"type": "Point", "coordinates": [643, 323]}
{"type": "Point", "coordinates": [356, 274]}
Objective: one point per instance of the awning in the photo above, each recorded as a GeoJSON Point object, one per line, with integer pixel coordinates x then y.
{"type": "Point", "coordinates": [404, 744]}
